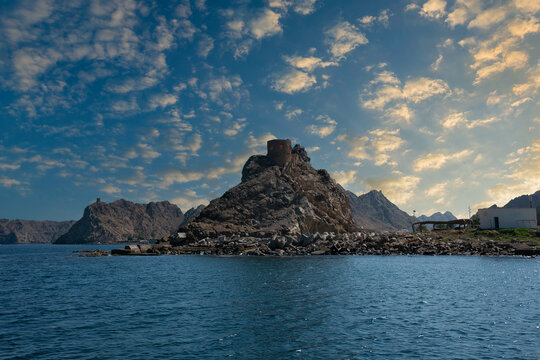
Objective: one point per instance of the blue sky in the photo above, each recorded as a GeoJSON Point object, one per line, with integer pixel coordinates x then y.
{"type": "Point", "coordinates": [436, 103]}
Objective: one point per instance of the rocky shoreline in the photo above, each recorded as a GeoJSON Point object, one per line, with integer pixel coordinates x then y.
{"type": "Point", "coordinates": [358, 243]}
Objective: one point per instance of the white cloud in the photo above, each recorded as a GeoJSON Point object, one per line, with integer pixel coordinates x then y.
{"type": "Point", "coordinates": [437, 190]}
{"type": "Point", "coordinates": [376, 147]}
{"type": "Point", "coordinates": [183, 10]}
{"type": "Point", "coordinates": [9, 166]}
{"type": "Point", "coordinates": [110, 189]}
{"type": "Point", "coordinates": [309, 63]}
{"type": "Point", "coordinates": [163, 100]}
{"type": "Point", "coordinates": [323, 130]}
{"type": "Point", "coordinates": [7, 182]}
{"type": "Point", "coordinates": [487, 18]}
{"type": "Point", "coordinates": [344, 38]}
{"type": "Point", "coordinates": [386, 89]}
{"type": "Point", "coordinates": [304, 7]}
{"type": "Point", "coordinates": [437, 160]}
{"type": "Point", "coordinates": [125, 106]}
{"type": "Point", "coordinates": [400, 113]}
{"type": "Point", "coordinates": [369, 20]}
{"type": "Point", "coordinates": [343, 177]}
{"type": "Point", "coordinates": [423, 88]}
{"type": "Point", "coordinates": [457, 17]}
{"type": "Point", "coordinates": [384, 141]}
{"type": "Point", "coordinates": [236, 127]}
{"type": "Point", "coordinates": [357, 146]}
{"type": "Point", "coordinates": [133, 84]}
{"type": "Point", "coordinates": [267, 24]}
{"type": "Point", "coordinates": [398, 190]}
{"type": "Point", "coordinates": [294, 81]}
{"type": "Point", "coordinates": [434, 9]}
{"type": "Point", "coordinates": [205, 45]}
{"type": "Point", "coordinates": [171, 176]}
{"type": "Point", "coordinates": [520, 27]}
{"type": "Point", "coordinates": [532, 85]}
{"type": "Point", "coordinates": [293, 114]}
{"type": "Point", "coordinates": [437, 63]}
{"type": "Point", "coordinates": [528, 6]}
{"type": "Point", "coordinates": [454, 119]}
{"type": "Point", "coordinates": [512, 60]}
{"type": "Point", "coordinates": [30, 63]}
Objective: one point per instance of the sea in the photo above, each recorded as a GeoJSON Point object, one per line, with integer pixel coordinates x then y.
{"type": "Point", "coordinates": [56, 305]}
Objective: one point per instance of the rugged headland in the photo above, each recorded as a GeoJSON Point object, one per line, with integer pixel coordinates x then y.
{"type": "Point", "coordinates": [280, 193]}
{"type": "Point", "coordinates": [123, 221]}
{"type": "Point", "coordinates": [32, 231]}
{"type": "Point", "coordinates": [283, 206]}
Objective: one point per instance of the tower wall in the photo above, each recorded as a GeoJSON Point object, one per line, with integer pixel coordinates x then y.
{"type": "Point", "coordinates": [279, 151]}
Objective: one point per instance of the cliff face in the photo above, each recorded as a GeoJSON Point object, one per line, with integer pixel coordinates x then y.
{"type": "Point", "coordinates": [523, 201]}
{"type": "Point", "coordinates": [375, 212]}
{"type": "Point", "coordinates": [32, 231]}
{"type": "Point", "coordinates": [288, 199]}
{"type": "Point", "coordinates": [122, 221]}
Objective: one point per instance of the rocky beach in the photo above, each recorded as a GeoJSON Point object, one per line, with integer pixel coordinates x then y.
{"type": "Point", "coordinates": [453, 242]}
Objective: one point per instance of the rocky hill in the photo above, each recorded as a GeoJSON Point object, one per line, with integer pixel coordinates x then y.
{"type": "Point", "coordinates": [122, 221]}
{"type": "Point", "coordinates": [280, 193]}
{"type": "Point", "coordinates": [375, 212]}
{"type": "Point", "coordinates": [32, 231]}
{"type": "Point", "coordinates": [524, 201]}
{"type": "Point", "coordinates": [438, 216]}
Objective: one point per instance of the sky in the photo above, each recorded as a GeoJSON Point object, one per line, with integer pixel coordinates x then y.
{"type": "Point", "coordinates": [436, 103]}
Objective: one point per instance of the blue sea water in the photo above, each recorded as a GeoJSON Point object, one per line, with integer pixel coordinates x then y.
{"type": "Point", "coordinates": [55, 305]}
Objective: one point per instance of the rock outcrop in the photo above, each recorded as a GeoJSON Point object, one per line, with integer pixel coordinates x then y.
{"type": "Point", "coordinates": [122, 221]}
{"type": "Point", "coordinates": [32, 231]}
{"type": "Point", "coordinates": [375, 212]}
{"type": "Point", "coordinates": [192, 214]}
{"type": "Point", "coordinates": [525, 201]}
{"type": "Point", "coordinates": [280, 193]}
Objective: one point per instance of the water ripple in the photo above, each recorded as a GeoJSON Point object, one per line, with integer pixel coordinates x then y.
{"type": "Point", "coordinates": [56, 305]}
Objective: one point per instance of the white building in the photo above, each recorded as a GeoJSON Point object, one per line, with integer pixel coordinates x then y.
{"type": "Point", "coordinates": [504, 218]}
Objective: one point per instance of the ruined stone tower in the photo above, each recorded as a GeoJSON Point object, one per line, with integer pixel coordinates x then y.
{"type": "Point", "coordinates": [279, 151]}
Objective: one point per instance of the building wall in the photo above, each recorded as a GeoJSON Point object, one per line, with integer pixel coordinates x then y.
{"type": "Point", "coordinates": [508, 218]}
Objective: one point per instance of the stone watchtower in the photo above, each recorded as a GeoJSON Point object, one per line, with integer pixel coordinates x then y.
{"type": "Point", "coordinates": [279, 151]}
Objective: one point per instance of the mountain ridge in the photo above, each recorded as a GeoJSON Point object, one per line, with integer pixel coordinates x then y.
{"type": "Point", "coordinates": [19, 231]}
{"type": "Point", "coordinates": [122, 221]}
{"type": "Point", "coordinates": [374, 211]}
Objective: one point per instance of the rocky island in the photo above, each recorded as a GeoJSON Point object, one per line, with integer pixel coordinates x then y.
{"type": "Point", "coordinates": [283, 206]}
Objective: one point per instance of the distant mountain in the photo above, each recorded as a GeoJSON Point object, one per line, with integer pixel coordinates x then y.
{"type": "Point", "coordinates": [32, 231]}
{"type": "Point", "coordinates": [122, 221]}
{"type": "Point", "coordinates": [524, 202]}
{"type": "Point", "coordinates": [447, 216]}
{"type": "Point", "coordinates": [374, 211]}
